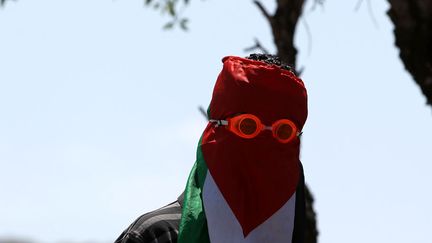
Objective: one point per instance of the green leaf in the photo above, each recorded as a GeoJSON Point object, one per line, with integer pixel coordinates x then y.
{"type": "Point", "coordinates": [168, 25]}
{"type": "Point", "coordinates": [170, 8]}
{"type": "Point", "coordinates": [184, 24]}
{"type": "Point", "coordinates": [147, 2]}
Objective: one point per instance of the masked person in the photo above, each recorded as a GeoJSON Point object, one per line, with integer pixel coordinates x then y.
{"type": "Point", "coordinates": [247, 184]}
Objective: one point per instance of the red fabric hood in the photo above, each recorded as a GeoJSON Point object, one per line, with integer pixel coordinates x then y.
{"type": "Point", "coordinates": [255, 176]}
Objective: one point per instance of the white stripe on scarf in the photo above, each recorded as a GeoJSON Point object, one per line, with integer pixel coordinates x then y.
{"type": "Point", "coordinates": [223, 226]}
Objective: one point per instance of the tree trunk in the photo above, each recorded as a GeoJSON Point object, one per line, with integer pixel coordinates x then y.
{"type": "Point", "coordinates": [413, 35]}
{"type": "Point", "coordinates": [283, 24]}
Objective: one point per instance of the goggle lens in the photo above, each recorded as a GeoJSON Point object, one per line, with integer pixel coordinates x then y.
{"type": "Point", "coordinates": [247, 126]}
{"type": "Point", "coordinates": [284, 130]}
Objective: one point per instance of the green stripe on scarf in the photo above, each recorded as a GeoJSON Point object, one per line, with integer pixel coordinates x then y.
{"type": "Point", "coordinates": [193, 224]}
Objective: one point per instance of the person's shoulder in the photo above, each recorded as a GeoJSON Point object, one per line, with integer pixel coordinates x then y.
{"type": "Point", "coordinates": [158, 226]}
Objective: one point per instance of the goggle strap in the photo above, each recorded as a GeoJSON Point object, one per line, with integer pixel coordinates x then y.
{"type": "Point", "coordinates": [267, 128]}
{"type": "Point", "coordinates": [219, 122]}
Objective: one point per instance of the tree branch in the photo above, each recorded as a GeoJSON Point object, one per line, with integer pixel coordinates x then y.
{"type": "Point", "coordinates": [358, 5]}
{"type": "Point", "coordinates": [257, 46]}
{"type": "Point", "coordinates": [316, 3]}
{"type": "Point", "coordinates": [412, 29]}
{"type": "Point", "coordinates": [263, 10]}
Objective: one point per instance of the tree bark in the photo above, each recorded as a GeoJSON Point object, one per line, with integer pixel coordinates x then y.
{"type": "Point", "coordinates": [283, 23]}
{"type": "Point", "coordinates": [413, 36]}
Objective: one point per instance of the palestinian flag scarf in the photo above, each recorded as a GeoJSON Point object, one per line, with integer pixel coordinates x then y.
{"type": "Point", "coordinates": [247, 190]}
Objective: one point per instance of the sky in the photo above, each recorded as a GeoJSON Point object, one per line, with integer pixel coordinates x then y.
{"type": "Point", "coordinates": [99, 121]}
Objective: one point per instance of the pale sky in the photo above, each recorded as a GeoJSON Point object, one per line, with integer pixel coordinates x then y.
{"type": "Point", "coordinates": [99, 121]}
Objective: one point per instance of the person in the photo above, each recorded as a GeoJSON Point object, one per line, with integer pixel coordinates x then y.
{"type": "Point", "coordinates": [247, 184]}
{"type": "Point", "coordinates": [158, 226]}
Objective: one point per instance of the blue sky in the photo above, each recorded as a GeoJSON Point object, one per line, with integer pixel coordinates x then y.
{"type": "Point", "coordinates": [99, 119]}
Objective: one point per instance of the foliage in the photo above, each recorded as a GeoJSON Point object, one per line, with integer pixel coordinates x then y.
{"type": "Point", "coordinates": [174, 8]}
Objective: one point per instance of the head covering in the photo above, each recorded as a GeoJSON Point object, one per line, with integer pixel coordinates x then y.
{"type": "Point", "coordinates": [256, 177]}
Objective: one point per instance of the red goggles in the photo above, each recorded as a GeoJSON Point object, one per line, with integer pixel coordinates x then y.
{"type": "Point", "coordinates": [249, 126]}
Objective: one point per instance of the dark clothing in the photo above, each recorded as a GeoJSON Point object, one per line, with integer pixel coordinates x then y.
{"type": "Point", "coordinates": [162, 225]}
{"type": "Point", "coordinates": [159, 226]}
